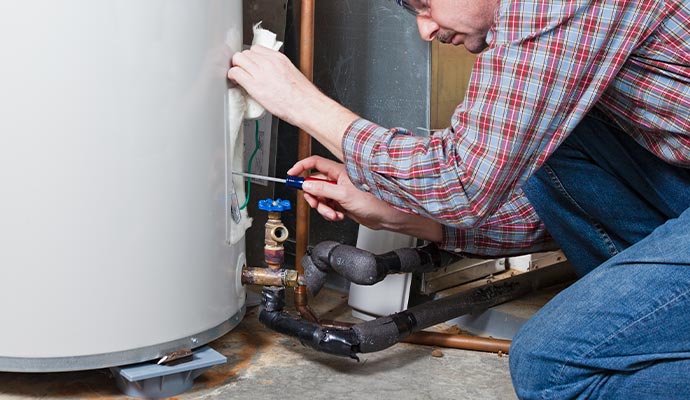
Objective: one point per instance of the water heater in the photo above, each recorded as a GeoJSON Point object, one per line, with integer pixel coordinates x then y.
{"type": "Point", "coordinates": [114, 159]}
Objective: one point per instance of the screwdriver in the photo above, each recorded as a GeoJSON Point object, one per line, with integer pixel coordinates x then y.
{"type": "Point", "coordinates": [293, 182]}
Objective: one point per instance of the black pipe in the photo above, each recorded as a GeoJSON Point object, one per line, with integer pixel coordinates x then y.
{"type": "Point", "coordinates": [328, 340]}
{"type": "Point", "coordinates": [365, 268]}
{"type": "Point", "coordinates": [384, 332]}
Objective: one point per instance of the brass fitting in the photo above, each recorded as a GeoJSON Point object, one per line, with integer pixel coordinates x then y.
{"type": "Point", "coordinates": [275, 234]}
{"type": "Point", "coordinates": [271, 277]}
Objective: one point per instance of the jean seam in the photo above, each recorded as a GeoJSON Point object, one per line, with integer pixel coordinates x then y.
{"type": "Point", "coordinates": [605, 238]}
{"type": "Point", "coordinates": [557, 378]}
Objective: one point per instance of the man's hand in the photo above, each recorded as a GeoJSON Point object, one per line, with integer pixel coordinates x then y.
{"type": "Point", "coordinates": [334, 202]}
{"type": "Point", "coordinates": [272, 80]}
{"type": "Point", "coordinates": [337, 201]}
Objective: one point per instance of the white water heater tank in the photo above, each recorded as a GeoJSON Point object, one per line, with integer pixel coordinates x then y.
{"type": "Point", "coordinates": [114, 220]}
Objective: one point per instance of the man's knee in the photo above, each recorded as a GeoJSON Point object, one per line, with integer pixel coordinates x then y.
{"type": "Point", "coordinates": [527, 369]}
{"type": "Point", "coordinates": [538, 363]}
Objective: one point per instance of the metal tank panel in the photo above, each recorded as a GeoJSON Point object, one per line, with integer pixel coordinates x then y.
{"type": "Point", "coordinates": [113, 165]}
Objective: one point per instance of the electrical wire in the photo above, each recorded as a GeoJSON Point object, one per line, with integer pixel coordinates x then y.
{"type": "Point", "coordinates": [249, 165]}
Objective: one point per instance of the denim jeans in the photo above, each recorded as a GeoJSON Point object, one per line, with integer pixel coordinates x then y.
{"type": "Point", "coordinates": [622, 331]}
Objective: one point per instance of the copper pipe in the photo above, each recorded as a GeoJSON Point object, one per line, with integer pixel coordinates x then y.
{"type": "Point", "coordinates": [459, 342]}
{"type": "Point", "coordinates": [304, 140]}
{"type": "Point", "coordinates": [306, 54]}
{"type": "Point", "coordinates": [306, 50]}
{"type": "Point", "coordinates": [330, 323]}
{"type": "Point", "coordinates": [302, 307]}
{"type": "Point", "coordinates": [270, 277]}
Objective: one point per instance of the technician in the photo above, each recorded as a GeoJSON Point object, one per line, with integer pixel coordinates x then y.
{"type": "Point", "coordinates": [577, 111]}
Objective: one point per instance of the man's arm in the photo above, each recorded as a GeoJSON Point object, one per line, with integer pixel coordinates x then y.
{"type": "Point", "coordinates": [544, 71]}
{"type": "Point", "coordinates": [336, 201]}
{"type": "Point", "coordinates": [514, 229]}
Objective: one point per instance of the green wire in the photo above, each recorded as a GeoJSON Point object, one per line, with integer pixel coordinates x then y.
{"type": "Point", "coordinates": [249, 166]}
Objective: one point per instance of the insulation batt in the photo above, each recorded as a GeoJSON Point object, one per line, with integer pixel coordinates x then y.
{"type": "Point", "coordinates": [237, 105]}
{"type": "Point", "coordinates": [265, 38]}
{"type": "Point", "coordinates": [242, 107]}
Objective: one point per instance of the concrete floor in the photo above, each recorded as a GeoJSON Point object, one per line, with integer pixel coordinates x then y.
{"type": "Point", "coordinates": [265, 365]}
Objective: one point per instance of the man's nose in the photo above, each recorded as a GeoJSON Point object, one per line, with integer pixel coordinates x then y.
{"type": "Point", "coordinates": [428, 29]}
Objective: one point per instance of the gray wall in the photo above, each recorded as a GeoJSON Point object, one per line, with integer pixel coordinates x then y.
{"type": "Point", "coordinates": [370, 58]}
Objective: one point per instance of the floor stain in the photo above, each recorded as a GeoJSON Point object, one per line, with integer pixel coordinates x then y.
{"type": "Point", "coordinates": [240, 348]}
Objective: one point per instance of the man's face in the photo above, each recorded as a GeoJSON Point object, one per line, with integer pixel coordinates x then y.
{"type": "Point", "coordinates": [458, 22]}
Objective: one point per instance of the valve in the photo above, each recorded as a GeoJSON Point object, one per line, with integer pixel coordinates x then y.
{"type": "Point", "coordinates": [275, 232]}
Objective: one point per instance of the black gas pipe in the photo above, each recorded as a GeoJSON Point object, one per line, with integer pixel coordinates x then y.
{"type": "Point", "coordinates": [366, 268]}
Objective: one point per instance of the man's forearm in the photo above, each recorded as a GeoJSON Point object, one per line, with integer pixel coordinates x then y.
{"type": "Point", "coordinates": [325, 120]}
{"type": "Point", "coordinates": [413, 225]}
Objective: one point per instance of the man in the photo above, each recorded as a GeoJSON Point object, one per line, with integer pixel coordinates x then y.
{"type": "Point", "coordinates": [582, 107]}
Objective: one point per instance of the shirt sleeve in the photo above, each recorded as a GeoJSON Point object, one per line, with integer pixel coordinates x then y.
{"type": "Point", "coordinates": [546, 66]}
{"type": "Point", "coordinates": [513, 230]}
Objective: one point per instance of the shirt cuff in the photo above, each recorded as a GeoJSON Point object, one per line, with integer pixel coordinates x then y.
{"type": "Point", "coordinates": [453, 239]}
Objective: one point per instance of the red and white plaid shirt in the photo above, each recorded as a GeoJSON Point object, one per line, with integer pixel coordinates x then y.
{"type": "Point", "coordinates": [548, 64]}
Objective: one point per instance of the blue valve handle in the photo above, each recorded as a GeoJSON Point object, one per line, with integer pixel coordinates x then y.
{"type": "Point", "coordinates": [277, 205]}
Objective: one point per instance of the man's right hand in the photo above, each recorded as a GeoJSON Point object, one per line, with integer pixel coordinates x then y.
{"type": "Point", "coordinates": [336, 201]}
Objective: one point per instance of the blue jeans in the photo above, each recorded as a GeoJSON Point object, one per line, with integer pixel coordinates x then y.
{"type": "Point", "coordinates": [622, 331]}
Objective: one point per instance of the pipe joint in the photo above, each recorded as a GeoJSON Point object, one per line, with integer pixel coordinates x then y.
{"type": "Point", "coordinates": [338, 342]}
{"type": "Point", "coordinates": [273, 299]}
{"type": "Point", "coordinates": [343, 343]}
{"type": "Point", "coordinates": [365, 268]}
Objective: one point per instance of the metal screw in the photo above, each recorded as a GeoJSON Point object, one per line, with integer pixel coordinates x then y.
{"type": "Point", "coordinates": [194, 340]}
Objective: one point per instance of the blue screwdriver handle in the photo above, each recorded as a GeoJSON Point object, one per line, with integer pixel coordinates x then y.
{"type": "Point", "coordinates": [295, 182]}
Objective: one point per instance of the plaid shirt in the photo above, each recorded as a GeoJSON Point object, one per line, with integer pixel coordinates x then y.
{"type": "Point", "coordinates": [548, 64]}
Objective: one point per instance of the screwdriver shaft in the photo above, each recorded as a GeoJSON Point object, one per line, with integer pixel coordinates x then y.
{"type": "Point", "coordinates": [255, 176]}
